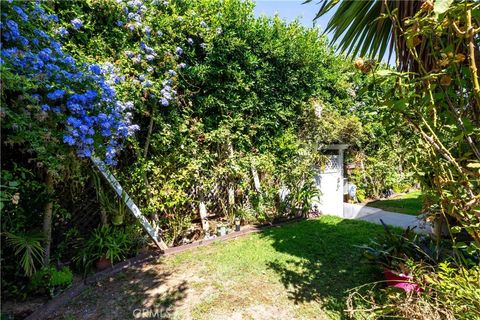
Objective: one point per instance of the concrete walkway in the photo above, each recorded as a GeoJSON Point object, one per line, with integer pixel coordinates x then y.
{"type": "Point", "coordinates": [370, 214]}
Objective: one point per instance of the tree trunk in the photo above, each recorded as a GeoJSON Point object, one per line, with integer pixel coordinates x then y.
{"type": "Point", "coordinates": [103, 216]}
{"type": "Point", "coordinates": [231, 187]}
{"type": "Point", "coordinates": [256, 182]}
{"type": "Point", "coordinates": [256, 179]}
{"type": "Point", "coordinates": [149, 134]}
{"type": "Point", "coordinates": [145, 154]}
{"type": "Point", "coordinates": [47, 218]}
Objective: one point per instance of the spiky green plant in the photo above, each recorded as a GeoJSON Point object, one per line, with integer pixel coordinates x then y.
{"type": "Point", "coordinates": [27, 246]}
{"type": "Point", "coordinates": [365, 28]}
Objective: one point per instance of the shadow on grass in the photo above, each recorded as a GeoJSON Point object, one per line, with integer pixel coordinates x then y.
{"type": "Point", "coordinates": [325, 263]}
{"type": "Point", "coordinates": [135, 293]}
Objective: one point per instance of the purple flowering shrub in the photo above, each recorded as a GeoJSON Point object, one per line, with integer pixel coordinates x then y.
{"type": "Point", "coordinates": [51, 100]}
{"type": "Point", "coordinates": [150, 57]}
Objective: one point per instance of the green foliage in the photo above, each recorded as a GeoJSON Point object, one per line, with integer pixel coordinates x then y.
{"type": "Point", "coordinates": [361, 195]}
{"type": "Point", "coordinates": [450, 292]}
{"type": "Point", "coordinates": [359, 26]}
{"type": "Point", "coordinates": [401, 251]}
{"type": "Point", "coordinates": [450, 287]}
{"type": "Point", "coordinates": [111, 205]}
{"type": "Point", "coordinates": [177, 225]}
{"type": "Point", "coordinates": [51, 279]}
{"type": "Point", "coordinates": [28, 248]}
{"type": "Point", "coordinates": [439, 102]}
{"type": "Point", "coordinates": [457, 289]}
{"type": "Point", "coordinates": [249, 96]}
{"type": "Point", "coordinates": [437, 97]}
{"type": "Point", "coordinates": [382, 156]}
{"type": "Point", "coordinates": [22, 250]}
{"type": "Point", "coordinates": [246, 214]}
{"type": "Point", "coordinates": [301, 197]}
{"type": "Point", "coordinates": [255, 95]}
{"type": "Point", "coordinates": [107, 242]}
{"type": "Point", "coordinates": [68, 246]}
{"type": "Point", "coordinates": [6, 194]}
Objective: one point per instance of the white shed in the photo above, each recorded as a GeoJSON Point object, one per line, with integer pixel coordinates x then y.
{"type": "Point", "coordinates": [330, 181]}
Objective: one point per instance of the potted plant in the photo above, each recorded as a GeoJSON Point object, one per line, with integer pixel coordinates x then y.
{"type": "Point", "coordinates": [119, 212]}
{"type": "Point", "coordinates": [106, 246]}
{"type": "Point", "coordinates": [221, 229]}
{"type": "Point", "coordinates": [110, 206]}
{"type": "Point", "coordinates": [397, 254]}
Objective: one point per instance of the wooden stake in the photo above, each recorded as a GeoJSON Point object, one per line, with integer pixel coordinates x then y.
{"type": "Point", "coordinates": [203, 211]}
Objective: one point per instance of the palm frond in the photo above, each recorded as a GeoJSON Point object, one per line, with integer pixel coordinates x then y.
{"type": "Point", "coordinates": [365, 28]}
{"type": "Point", "coordinates": [29, 248]}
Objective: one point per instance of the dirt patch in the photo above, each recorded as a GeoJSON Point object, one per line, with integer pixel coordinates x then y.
{"type": "Point", "coordinates": [141, 292]}
{"type": "Point", "coordinates": [257, 312]}
{"type": "Point", "coordinates": [176, 293]}
{"type": "Point", "coordinates": [20, 310]}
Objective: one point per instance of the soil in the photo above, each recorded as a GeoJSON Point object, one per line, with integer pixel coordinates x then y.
{"type": "Point", "coordinates": [21, 309]}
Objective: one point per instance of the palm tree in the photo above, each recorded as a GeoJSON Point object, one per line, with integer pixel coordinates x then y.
{"type": "Point", "coordinates": [370, 27]}
{"type": "Point", "coordinates": [437, 42]}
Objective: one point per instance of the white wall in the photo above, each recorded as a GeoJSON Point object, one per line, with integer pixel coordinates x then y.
{"type": "Point", "coordinates": [330, 184]}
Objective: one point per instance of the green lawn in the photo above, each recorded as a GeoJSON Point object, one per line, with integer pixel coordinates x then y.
{"type": "Point", "coordinates": [298, 271]}
{"type": "Point", "coordinates": [410, 203]}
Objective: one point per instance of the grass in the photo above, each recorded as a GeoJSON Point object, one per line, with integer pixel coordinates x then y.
{"type": "Point", "coordinates": [410, 203]}
{"type": "Point", "coordinates": [298, 271]}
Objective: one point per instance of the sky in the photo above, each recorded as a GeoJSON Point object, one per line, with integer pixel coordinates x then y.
{"type": "Point", "coordinates": [290, 10]}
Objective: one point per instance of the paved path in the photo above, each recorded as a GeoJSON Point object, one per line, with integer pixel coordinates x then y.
{"type": "Point", "coordinates": [370, 214]}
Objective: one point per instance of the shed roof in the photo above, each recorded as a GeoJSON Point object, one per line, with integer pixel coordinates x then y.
{"type": "Point", "coordinates": [334, 147]}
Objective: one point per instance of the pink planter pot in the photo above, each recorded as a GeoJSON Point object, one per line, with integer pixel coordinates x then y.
{"type": "Point", "coordinates": [401, 281]}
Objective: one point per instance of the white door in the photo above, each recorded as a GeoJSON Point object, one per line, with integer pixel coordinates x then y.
{"type": "Point", "coordinates": [330, 184]}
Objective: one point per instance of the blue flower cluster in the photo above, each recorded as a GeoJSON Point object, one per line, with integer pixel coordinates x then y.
{"type": "Point", "coordinates": [61, 31]}
{"type": "Point", "coordinates": [167, 92]}
{"type": "Point", "coordinates": [145, 57]}
{"type": "Point", "coordinates": [76, 23]}
{"type": "Point", "coordinates": [80, 96]}
{"type": "Point", "coordinates": [134, 9]}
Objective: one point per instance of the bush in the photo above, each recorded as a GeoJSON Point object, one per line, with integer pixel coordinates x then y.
{"type": "Point", "coordinates": [361, 195]}
{"type": "Point", "coordinates": [177, 225]}
{"type": "Point", "coordinates": [107, 242]}
{"type": "Point", "coordinates": [51, 280]}
{"type": "Point", "coordinates": [448, 276]}
{"type": "Point", "coordinates": [405, 252]}
{"type": "Point", "coordinates": [457, 289]}
{"type": "Point", "coordinates": [449, 293]}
